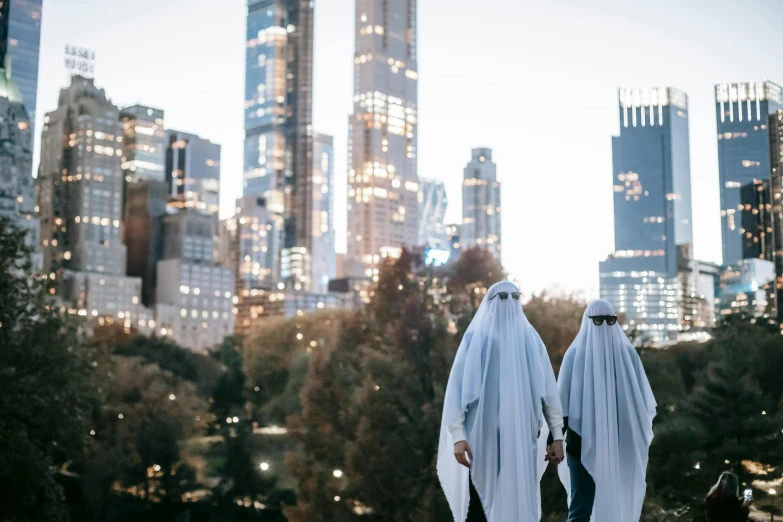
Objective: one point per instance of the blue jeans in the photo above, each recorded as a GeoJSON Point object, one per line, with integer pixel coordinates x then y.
{"type": "Point", "coordinates": [582, 492]}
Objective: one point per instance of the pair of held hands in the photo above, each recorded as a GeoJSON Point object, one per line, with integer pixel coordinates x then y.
{"type": "Point", "coordinates": [554, 453]}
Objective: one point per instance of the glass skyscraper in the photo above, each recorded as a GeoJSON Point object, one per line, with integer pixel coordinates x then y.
{"type": "Point", "coordinates": [383, 184]}
{"type": "Point", "coordinates": [742, 112]}
{"type": "Point", "coordinates": [17, 187]}
{"type": "Point", "coordinates": [652, 211]}
{"type": "Point", "coordinates": [20, 41]}
{"type": "Point", "coordinates": [279, 137]}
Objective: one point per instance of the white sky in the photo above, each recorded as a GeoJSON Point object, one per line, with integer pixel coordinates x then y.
{"type": "Point", "coordinates": [536, 81]}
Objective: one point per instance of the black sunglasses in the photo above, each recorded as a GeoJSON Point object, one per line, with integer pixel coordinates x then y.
{"type": "Point", "coordinates": [598, 320]}
{"type": "Point", "coordinates": [504, 295]}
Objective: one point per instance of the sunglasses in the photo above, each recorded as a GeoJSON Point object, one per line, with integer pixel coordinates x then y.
{"type": "Point", "coordinates": [598, 320]}
{"type": "Point", "coordinates": [504, 295]}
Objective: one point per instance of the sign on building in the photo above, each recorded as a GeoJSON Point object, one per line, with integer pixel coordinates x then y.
{"type": "Point", "coordinates": [79, 60]}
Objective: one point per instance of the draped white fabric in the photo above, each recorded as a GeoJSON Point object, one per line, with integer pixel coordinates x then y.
{"type": "Point", "coordinates": [500, 377]}
{"type": "Point", "coordinates": [608, 401]}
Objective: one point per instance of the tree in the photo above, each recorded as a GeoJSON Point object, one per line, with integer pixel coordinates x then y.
{"type": "Point", "coordinates": [467, 280]}
{"type": "Point", "coordinates": [324, 428]}
{"type": "Point", "coordinates": [737, 420]}
{"type": "Point", "coordinates": [557, 319]}
{"type": "Point", "coordinates": [275, 358]}
{"type": "Point", "coordinates": [46, 388]}
{"type": "Point", "coordinates": [135, 459]}
{"type": "Point", "coordinates": [372, 402]}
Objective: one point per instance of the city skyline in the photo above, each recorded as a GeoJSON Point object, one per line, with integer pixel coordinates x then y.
{"type": "Point", "coordinates": [523, 132]}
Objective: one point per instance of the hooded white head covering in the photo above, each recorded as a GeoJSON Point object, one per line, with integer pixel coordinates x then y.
{"type": "Point", "coordinates": [501, 376]}
{"type": "Point", "coordinates": [608, 401]}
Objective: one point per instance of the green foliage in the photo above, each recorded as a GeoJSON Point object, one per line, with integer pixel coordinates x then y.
{"type": "Point", "coordinates": [46, 388]}
{"type": "Point", "coordinates": [718, 410]}
{"type": "Point", "coordinates": [269, 355]}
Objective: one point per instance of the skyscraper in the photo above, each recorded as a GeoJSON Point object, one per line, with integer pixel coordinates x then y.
{"type": "Point", "coordinates": [81, 201]}
{"type": "Point", "coordinates": [17, 190]}
{"type": "Point", "coordinates": [432, 214]}
{"type": "Point", "coordinates": [278, 122]}
{"type": "Point", "coordinates": [81, 182]}
{"type": "Point", "coordinates": [192, 172]}
{"type": "Point", "coordinates": [742, 112]}
{"type": "Point", "coordinates": [481, 203]}
{"type": "Point", "coordinates": [652, 211]}
{"type": "Point", "coordinates": [20, 41]}
{"type": "Point", "coordinates": [383, 184]}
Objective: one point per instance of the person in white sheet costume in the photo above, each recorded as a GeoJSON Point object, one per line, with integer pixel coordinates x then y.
{"type": "Point", "coordinates": [500, 391]}
{"type": "Point", "coordinates": [609, 409]}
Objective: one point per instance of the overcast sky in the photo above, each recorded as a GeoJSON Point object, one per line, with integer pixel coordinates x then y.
{"type": "Point", "coordinates": [536, 81]}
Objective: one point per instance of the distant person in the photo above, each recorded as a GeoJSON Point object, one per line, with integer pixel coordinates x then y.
{"type": "Point", "coordinates": [609, 408]}
{"type": "Point", "coordinates": [724, 503]}
{"type": "Point", "coordinates": [500, 391]}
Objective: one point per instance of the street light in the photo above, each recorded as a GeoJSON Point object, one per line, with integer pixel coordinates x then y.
{"type": "Point", "coordinates": [337, 473]}
{"type": "Point", "coordinates": [264, 466]}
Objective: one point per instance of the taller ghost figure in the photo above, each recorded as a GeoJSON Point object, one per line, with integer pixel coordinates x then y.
{"type": "Point", "coordinates": [500, 391]}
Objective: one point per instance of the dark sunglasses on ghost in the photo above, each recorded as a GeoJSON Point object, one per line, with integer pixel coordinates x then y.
{"type": "Point", "coordinates": [598, 320]}
{"type": "Point", "coordinates": [504, 295]}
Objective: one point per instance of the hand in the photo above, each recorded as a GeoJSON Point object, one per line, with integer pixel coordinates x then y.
{"type": "Point", "coordinates": [460, 449]}
{"type": "Point", "coordinates": [747, 502]}
{"type": "Point", "coordinates": [554, 452]}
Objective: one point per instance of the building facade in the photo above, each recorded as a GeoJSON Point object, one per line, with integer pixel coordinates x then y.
{"type": "Point", "coordinates": [144, 144]}
{"type": "Point", "coordinates": [81, 182]}
{"type": "Point", "coordinates": [747, 288]}
{"type": "Point", "coordinates": [383, 184]}
{"type": "Point", "coordinates": [17, 189]}
{"type": "Point", "coordinates": [432, 214]}
{"type": "Point", "coordinates": [481, 203]}
{"type": "Point", "coordinates": [256, 305]}
{"type": "Point", "coordinates": [194, 293]}
{"type": "Point", "coordinates": [146, 195]}
{"type": "Point", "coordinates": [251, 241]}
{"type": "Point", "coordinates": [698, 281]}
{"type": "Point", "coordinates": [743, 111]}
{"type": "Point", "coordinates": [453, 233]}
{"type": "Point", "coordinates": [20, 44]}
{"type": "Point", "coordinates": [145, 206]}
{"type": "Point", "coordinates": [652, 212]}
{"type": "Point", "coordinates": [314, 268]}
{"type": "Point", "coordinates": [81, 199]}
{"type": "Point", "coordinates": [192, 172]}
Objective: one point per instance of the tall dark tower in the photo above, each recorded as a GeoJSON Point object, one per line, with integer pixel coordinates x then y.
{"type": "Point", "coordinates": [278, 124]}
{"type": "Point", "coordinates": [652, 211]}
